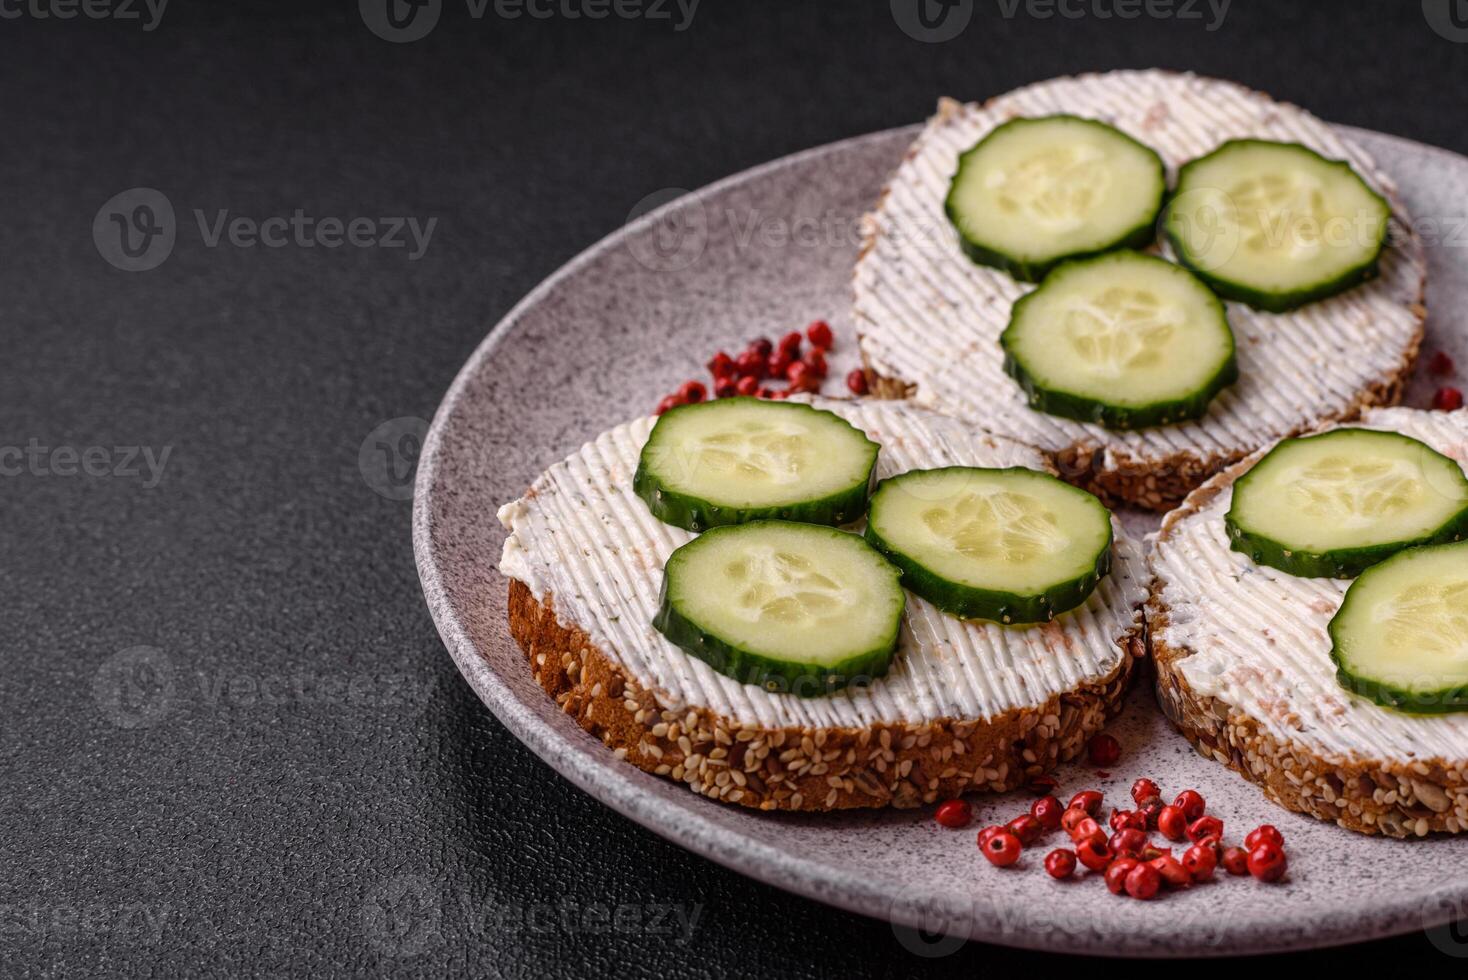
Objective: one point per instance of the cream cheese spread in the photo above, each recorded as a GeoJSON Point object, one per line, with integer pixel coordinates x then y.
{"type": "Point", "coordinates": [930, 316]}
{"type": "Point", "coordinates": [581, 538]}
{"type": "Point", "coordinates": [1258, 635]}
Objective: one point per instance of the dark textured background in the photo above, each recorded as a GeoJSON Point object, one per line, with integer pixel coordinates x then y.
{"type": "Point", "coordinates": [291, 777]}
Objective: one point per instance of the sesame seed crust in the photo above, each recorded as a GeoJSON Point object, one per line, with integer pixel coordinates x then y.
{"type": "Point", "coordinates": [1370, 795]}
{"type": "Point", "coordinates": [812, 769]}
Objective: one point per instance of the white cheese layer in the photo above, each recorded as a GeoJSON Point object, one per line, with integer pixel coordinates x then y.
{"type": "Point", "coordinates": [931, 316]}
{"type": "Point", "coordinates": [582, 537]}
{"type": "Point", "coordinates": [1259, 638]}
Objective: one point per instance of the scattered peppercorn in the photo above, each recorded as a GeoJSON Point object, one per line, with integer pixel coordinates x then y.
{"type": "Point", "coordinates": [1150, 811]}
{"type": "Point", "coordinates": [1127, 841]}
{"type": "Point", "coordinates": [1143, 881]}
{"type": "Point", "coordinates": [1088, 800]}
{"type": "Point", "coordinates": [1026, 828]}
{"type": "Point", "coordinates": [1071, 818]}
{"type": "Point", "coordinates": [1191, 802]}
{"type": "Point", "coordinates": [1267, 861]}
{"type": "Point", "coordinates": [1122, 819]}
{"type": "Point", "coordinates": [1172, 871]}
{"type": "Point", "coordinates": [1200, 860]}
{"type": "Point", "coordinates": [1262, 833]}
{"type": "Point", "coordinates": [1094, 854]}
{"type": "Point", "coordinates": [1103, 749]}
{"type": "Point", "coordinates": [1043, 785]}
{"type": "Point", "coordinates": [751, 364]}
{"type": "Point", "coordinates": [1117, 873]}
{"type": "Point", "coordinates": [1060, 863]}
{"type": "Point", "coordinates": [1088, 830]}
{"type": "Point", "coordinates": [816, 361]}
{"type": "Point", "coordinates": [721, 365]}
{"type": "Point", "coordinates": [820, 335]}
{"type": "Point", "coordinates": [1172, 823]}
{"type": "Point", "coordinates": [1205, 826]}
{"type": "Point", "coordinates": [954, 814]}
{"type": "Point", "coordinates": [1001, 848]}
{"type": "Point", "coordinates": [1145, 791]}
{"type": "Point", "coordinates": [1235, 861]}
{"type": "Point", "coordinates": [1047, 810]}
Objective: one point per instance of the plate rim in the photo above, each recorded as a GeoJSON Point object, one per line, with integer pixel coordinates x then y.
{"type": "Point", "coordinates": [619, 786]}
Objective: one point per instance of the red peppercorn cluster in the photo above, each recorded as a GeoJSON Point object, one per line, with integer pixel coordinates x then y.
{"type": "Point", "coordinates": [1446, 398]}
{"type": "Point", "coordinates": [764, 363]}
{"type": "Point", "coordinates": [1129, 862]}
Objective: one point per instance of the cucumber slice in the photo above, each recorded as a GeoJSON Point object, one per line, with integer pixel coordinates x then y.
{"type": "Point", "coordinates": [744, 459]}
{"type": "Point", "coordinates": [1035, 192]}
{"type": "Point", "coordinates": [1333, 504]}
{"type": "Point", "coordinates": [1123, 339]}
{"type": "Point", "coordinates": [1275, 225]}
{"type": "Point", "coordinates": [1400, 637]}
{"type": "Point", "coordinates": [1011, 545]}
{"type": "Point", "coordinates": [795, 608]}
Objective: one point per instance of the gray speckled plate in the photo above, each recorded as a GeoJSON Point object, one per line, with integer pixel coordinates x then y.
{"type": "Point", "coordinates": [761, 253]}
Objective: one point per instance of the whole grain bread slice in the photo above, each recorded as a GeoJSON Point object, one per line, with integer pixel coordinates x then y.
{"type": "Point", "coordinates": [800, 767]}
{"type": "Point", "coordinates": [966, 706]}
{"type": "Point", "coordinates": [929, 318]}
{"type": "Point", "coordinates": [1215, 621]}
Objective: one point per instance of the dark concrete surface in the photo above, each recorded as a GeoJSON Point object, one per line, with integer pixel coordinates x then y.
{"type": "Point", "coordinates": [230, 741]}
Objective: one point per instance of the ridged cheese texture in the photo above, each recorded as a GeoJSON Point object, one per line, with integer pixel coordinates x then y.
{"type": "Point", "coordinates": [583, 539]}
{"type": "Point", "coordinates": [930, 316]}
{"type": "Point", "coordinates": [1258, 636]}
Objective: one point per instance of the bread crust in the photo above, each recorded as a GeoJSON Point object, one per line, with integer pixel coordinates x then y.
{"type": "Point", "coordinates": [1371, 796]}
{"type": "Point", "coordinates": [798, 768]}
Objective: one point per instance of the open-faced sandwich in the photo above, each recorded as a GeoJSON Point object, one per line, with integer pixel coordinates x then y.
{"type": "Point", "coordinates": [811, 606]}
{"type": "Point", "coordinates": [1309, 622]}
{"type": "Point", "coordinates": [1009, 277]}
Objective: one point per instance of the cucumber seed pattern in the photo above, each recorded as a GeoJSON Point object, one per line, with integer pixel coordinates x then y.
{"type": "Point", "coordinates": [754, 450]}
{"type": "Point", "coordinates": [1005, 527]}
{"type": "Point", "coordinates": [1279, 214]}
{"type": "Point", "coordinates": [1057, 188]}
{"type": "Point", "coordinates": [785, 588]}
{"type": "Point", "coordinates": [1121, 330]}
{"type": "Point", "coordinates": [1355, 490]}
{"type": "Point", "coordinates": [1431, 618]}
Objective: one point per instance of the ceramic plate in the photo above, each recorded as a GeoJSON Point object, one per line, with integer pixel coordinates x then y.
{"type": "Point", "coordinates": [761, 253]}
